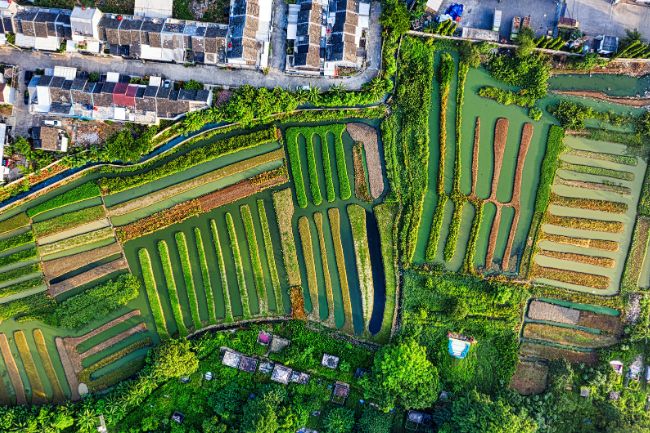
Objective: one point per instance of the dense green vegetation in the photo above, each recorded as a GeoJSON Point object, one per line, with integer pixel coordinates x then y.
{"type": "Point", "coordinates": [68, 220]}
{"type": "Point", "coordinates": [82, 192]}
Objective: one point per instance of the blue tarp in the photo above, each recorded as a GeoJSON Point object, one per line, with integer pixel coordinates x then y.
{"type": "Point", "coordinates": [455, 11]}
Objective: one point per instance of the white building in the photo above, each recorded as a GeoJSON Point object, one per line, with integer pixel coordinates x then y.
{"type": "Point", "coordinates": [84, 26]}
{"type": "Point", "coordinates": [4, 170]}
{"type": "Point", "coordinates": [153, 8]}
{"type": "Point", "coordinates": [249, 32]}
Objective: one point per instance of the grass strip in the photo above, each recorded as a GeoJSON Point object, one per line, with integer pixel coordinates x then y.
{"type": "Point", "coordinates": [13, 223]}
{"type": "Point", "coordinates": [296, 168]}
{"type": "Point", "coordinates": [80, 193]}
{"type": "Point", "coordinates": [222, 271]}
{"type": "Point", "coordinates": [357, 216]}
{"type": "Point", "coordinates": [239, 266]}
{"type": "Point", "coordinates": [327, 168]}
{"type": "Point", "coordinates": [270, 257]}
{"type": "Point", "coordinates": [163, 251]}
{"type": "Point", "coordinates": [152, 293]}
{"type": "Point", "coordinates": [312, 170]}
{"type": "Point", "coordinates": [67, 221]}
{"type": "Point", "coordinates": [310, 265]}
{"type": "Point", "coordinates": [341, 166]}
{"type": "Point", "coordinates": [604, 262]}
{"type": "Point", "coordinates": [386, 215]}
{"type": "Point", "coordinates": [584, 223]}
{"type": "Point", "coordinates": [284, 210]}
{"type": "Point", "coordinates": [18, 272]}
{"type": "Point", "coordinates": [188, 278]}
{"type": "Point", "coordinates": [335, 224]}
{"type": "Point", "coordinates": [21, 287]}
{"type": "Point", "coordinates": [76, 241]}
{"type": "Point", "coordinates": [570, 277]}
{"type": "Point", "coordinates": [19, 256]}
{"type": "Point", "coordinates": [599, 244]}
{"type": "Point", "coordinates": [16, 241]}
{"type": "Point", "coordinates": [327, 276]}
{"type": "Point", "coordinates": [38, 391]}
{"type": "Point", "coordinates": [436, 227]}
{"type": "Point", "coordinates": [594, 186]}
{"type": "Point", "coordinates": [57, 392]}
{"type": "Point", "coordinates": [618, 159]}
{"type": "Point", "coordinates": [567, 336]}
{"type": "Point", "coordinates": [254, 254]}
{"type": "Point", "coordinates": [597, 171]}
{"type": "Point", "coordinates": [205, 276]}
{"type": "Point", "coordinates": [587, 203]}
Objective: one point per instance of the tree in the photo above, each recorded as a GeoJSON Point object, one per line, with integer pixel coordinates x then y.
{"type": "Point", "coordinates": [173, 359]}
{"type": "Point", "coordinates": [192, 85]}
{"type": "Point", "coordinates": [395, 16]}
{"type": "Point", "coordinates": [403, 375]}
{"type": "Point", "coordinates": [375, 421]}
{"type": "Point", "coordinates": [260, 413]}
{"type": "Point", "coordinates": [526, 42]}
{"type": "Point", "coordinates": [339, 420]}
{"type": "Point", "coordinates": [475, 412]}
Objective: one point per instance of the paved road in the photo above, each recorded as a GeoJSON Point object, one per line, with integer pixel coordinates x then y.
{"type": "Point", "coordinates": [599, 17]}
{"type": "Point", "coordinates": [30, 60]}
{"type": "Point", "coordinates": [279, 35]}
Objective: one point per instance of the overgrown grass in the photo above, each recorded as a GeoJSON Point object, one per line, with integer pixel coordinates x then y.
{"type": "Point", "coordinates": [190, 287]}
{"type": "Point", "coordinates": [436, 227]}
{"type": "Point", "coordinates": [270, 257]}
{"type": "Point", "coordinates": [205, 276]}
{"type": "Point", "coordinates": [296, 169]}
{"type": "Point", "coordinates": [284, 210]}
{"type": "Point", "coordinates": [82, 192]}
{"type": "Point", "coordinates": [385, 214]}
{"type": "Point", "coordinates": [327, 276]}
{"type": "Point", "coordinates": [345, 191]}
{"type": "Point", "coordinates": [254, 254]}
{"type": "Point", "coordinates": [327, 169]}
{"type": "Point", "coordinates": [16, 241]}
{"type": "Point", "coordinates": [38, 390]}
{"type": "Point", "coordinates": [335, 225]}
{"type": "Point", "coordinates": [310, 264]}
{"type": "Point", "coordinates": [152, 293]}
{"type": "Point", "coordinates": [13, 223]}
{"type": "Point", "coordinates": [239, 266]}
{"type": "Point", "coordinates": [163, 251]}
{"type": "Point", "coordinates": [222, 271]}
{"type": "Point", "coordinates": [57, 392]}
{"type": "Point", "coordinates": [67, 221]}
{"type": "Point", "coordinates": [357, 216]}
{"type": "Point", "coordinates": [454, 230]}
{"type": "Point", "coordinates": [316, 196]}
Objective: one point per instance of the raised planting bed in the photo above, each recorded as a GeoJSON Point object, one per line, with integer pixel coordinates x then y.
{"type": "Point", "coordinates": [270, 257]}
{"type": "Point", "coordinates": [190, 159]}
{"type": "Point", "coordinates": [213, 176]}
{"type": "Point", "coordinates": [310, 266]}
{"type": "Point", "coordinates": [151, 288]}
{"type": "Point", "coordinates": [312, 170]}
{"type": "Point", "coordinates": [567, 336]}
{"type": "Point", "coordinates": [17, 257]}
{"type": "Point", "coordinates": [570, 277]}
{"type": "Point", "coordinates": [327, 275]}
{"type": "Point", "coordinates": [12, 371]}
{"type": "Point", "coordinates": [284, 210]}
{"type": "Point", "coordinates": [386, 215]}
{"type": "Point", "coordinates": [584, 223]}
{"type": "Point", "coordinates": [636, 256]}
{"type": "Point", "coordinates": [357, 216]}
{"type": "Point", "coordinates": [63, 265]}
{"type": "Point", "coordinates": [188, 278]}
{"type": "Point", "coordinates": [58, 395]}
{"type": "Point", "coordinates": [80, 193]}
{"type": "Point", "coordinates": [296, 169]}
{"type": "Point", "coordinates": [67, 221]}
{"type": "Point", "coordinates": [205, 276]}
{"type": "Point", "coordinates": [360, 183]}
{"type": "Point", "coordinates": [256, 261]}
{"type": "Point", "coordinates": [586, 203]}
{"type": "Point", "coordinates": [35, 280]}
{"type": "Point", "coordinates": [538, 310]}
{"type": "Point", "coordinates": [13, 223]}
{"type": "Point", "coordinates": [16, 241]}
{"type": "Point", "coordinates": [88, 276]}
{"type": "Point", "coordinates": [611, 157]}
{"type": "Point", "coordinates": [335, 224]}
{"type": "Point", "coordinates": [239, 267]}
{"type": "Point", "coordinates": [172, 291]}
{"type": "Point", "coordinates": [604, 262]}
{"type": "Point", "coordinates": [594, 186]}
{"type": "Point", "coordinates": [598, 244]}
{"type": "Point", "coordinates": [75, 242]}
{"type": "Point", "coordinates": [368, 136]}
{"type": "Point", "coordinates": [222, 271]}
{"type": "Point", "coordinates": [500, 138]}
{"type": "Point", "coordinates": [112, 341]}
{"type": "Point", "coordinates": [597, 171]}
{"type": "Point", "coordinates": [345, 192]}
{"type": "Point", "coordinates": [37, 389]}
{"type": "Point", "coordinates": [32, 306]}
{"type": "Point", "coordinates": [7, 276]}
{"type": "Point", "coordinates": [75, 231]}
{"type": "Point", "coordinates": [530, 378]}
{"type": "Point", "coordinates": [327, 167]}
{"type": "Point", "coordinates": [159, 220]}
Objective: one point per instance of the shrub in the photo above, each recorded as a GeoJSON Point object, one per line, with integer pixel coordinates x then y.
{"type": "Point", "coordinates": [535, 113]}
{"type": "Point", "coordinates": [82, 192]}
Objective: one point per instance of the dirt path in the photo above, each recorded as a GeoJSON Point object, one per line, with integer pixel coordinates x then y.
{"type": "Point", "coordinates": [58, 267]}
{"type": "Point", "coordinates": [68, 368]}
{"type": "Point", "coordinates": [494, 232]}
{"type": "Point", "coordinates": [85, 228]}
{"type": "Point", "coordinates": [106, 326]}
{"type": "Point", "coordinates": [88, 276]}
{"type": "Point", "coordinates": [500, 138]}
{"type": "Point", "coordinates": [629, 101]}
{"type": "Point", "coordinates": [140, 327]}
{"type": "Point", "coordinates": [12, 370]}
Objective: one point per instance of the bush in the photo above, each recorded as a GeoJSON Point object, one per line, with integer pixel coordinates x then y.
{"type": "Point", "coordinates": [529, 72]}
{"type": "Point", "coordinates": [535, 113]}
{"type": "Point", "coordinates": [339, 420]}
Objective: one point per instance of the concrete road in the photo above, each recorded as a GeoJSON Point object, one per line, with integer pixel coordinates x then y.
{"type": "Point", "coordinates": [599, 17]}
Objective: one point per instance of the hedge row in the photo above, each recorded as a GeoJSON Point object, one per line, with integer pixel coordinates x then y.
{"type": "Point", "coordinates": [82, 192]}
{"type": "Point", "coordinates": [163, 252]}
{"type": "Point", "coordinates": [205, 276]}
{"type": "Point", "coordinates": [254, 254]}
{"type": "Point", "coordinates": [188, 278]}
{"type": "Point", "coordinates": [68, 220]}
{"type": "Point", "coordinates": [436, 227]}
{"type": "Point", "coordinates": [270, 257]}
{"type": "Point", "coordinates": [239, 267]}
{"type": "Point", "coordinates": [152, 293]}
{"type": "Point", "coordinates": [192, 158]}
{"type": "Point", "coordinates": [222, 271]}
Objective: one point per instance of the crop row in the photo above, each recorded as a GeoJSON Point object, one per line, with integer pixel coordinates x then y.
{"type": "Point", "coordinates": [570, 277]}
{"type": "Point", "coordinates": [80, 193]}
{"type": "Point", "coordinates": [386, 214]}
{"type": "Point", "coordinates": [357, 216]}
{"type": "Point", "coordinates": [470, 252]}
{"type": "Point", "coordinates": [67, 221]}
{"type": "Point", "coordinates": [270, 257]}
{"type": "Point", "coordinates": [327, 276]}
{"type": "Point", "coordinates": [16, 241]}
{"type": "Point", "coordinates": [74, 243]}
{"type": "Point", "coordinates": [360, 185]}
{"type": "Point", "coordinates": [48, 366]}
{"type": "Point", "coordinates": [567, 336]}
{"type": "Point", "coordinates": [587, 203]}
{"type": "Point", "coordinates": [188, 278]}
{"type": "Point", "coordinates": [254, 254]}
{"type": "Point", "coordinates": [18, 272]}
{"type": "Point", "coordinates": [57, 267]}
{"type": "Point", "coordinates": [335, 224]}
{"type": "Point", "coordinates": [222, 271]}
{"type": "Point", "coordinates": [599, 244]}
{"type": "Point", "coordinates": [584, 223]}
{"type": "Point", "coordinates": [436, 227]}
{"type": "Point", "coordinates": [539, 310]}
{"type": "Point", "coordinates": [597, 171]}
{"type": "Point", "coordinates": [192, 158]}
{"type": "Point", "coordinates": [117, 375]}
{"type": "Point", "coordinates": [20, 287]}
{"type": "Point", "coordinates": [172, 290]}
{"type": "Point", "coordinates": [284, 210]}
{"type": "Point", "coordinates": [13, 223]}
{"type": "Point", "coordinates": [310, 265]}
{"type": "Point", "coordinates": [239, 266]}
{"type": "Point", "coordinates": [38, 390]}
{"type": "Point", "coordinates": [454, 229]}
{"type": "Point", "coordinates": [551, 353]}
{"type": "Point", "coordinates": [594, 186]}
{"type": "Point", "coordinates": [205, 276]}
{"type": "Point", "coordinates": [151, 288]}
{"type": "Point", "coordinates": [604, 262]}
{"type": "Point", "coordinates": [26, 308]}
{"type": "Point", "coordinates": [88, 276]}
{"type": "Point", "coordinates": [17, 257]}
{"type": "Point", "coordinates": [618, 159]}
{"type": "Point", "coordinates": [312, 170]}
{"type": "Point", "coordinates": [637, 253]}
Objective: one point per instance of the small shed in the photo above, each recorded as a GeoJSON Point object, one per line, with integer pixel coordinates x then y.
{"type": "Point", "coordinates": [266, 367]}
{"type": "Point", "coordinates": [340, 393]}
{"type": "Point", "coordinates": [617, 366]}
{"type": "Point", "coordinates": [299, 377]}
{"type": "Point", "coordinates": [614, 395]}
{"type": "Point", "coordinates": [178, 417]}
{"type": "Point", "coordinates": [416, 420]}
{"type": "Point", "coordinates": [330, 361]}
{"type": "Point", "coordinates": [231, 358]}
{"type": "Point", "coordinates": [278, 344]}
{"type": "Point", "coordinates": [281, 374]}
{"type": "Point", "coordinates": [585, 391]}
{"type": "Point", "coordinates": [264, 338]}
{"type": "Point", "coordinates": [248, 364]}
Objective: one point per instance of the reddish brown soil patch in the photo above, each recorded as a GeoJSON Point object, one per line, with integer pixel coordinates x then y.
{"type": "Point", "coordinates": [158, 220]}
{"type": "Point", "coordinates": [475, 154]}
{"type": "Point", "coordinates": [500, 138]}
{"type": "Point", "coordinates": [494, 233]}
{"type": "Point", "coordinates": [297, 303]}
{"type": "Point", "coordinates": [529, 378]}
{"type": "Point", "coordinates": [600, 244]}
{"type": "Point", "coordinates": [567, 336]}
{"type": "Point", "coordinates": [88, 276]}
{"type": "Point", "coordinates": [570, 277]}
{"type": "Point", "coordinates": [57, 267]}
{"type": "Point", "coordinates": [140, 327]}
{"type": "Point", "coordinates": [540, 351]}
{"type": "Point", "coordinates": [68, 368]}
{"type": "Point", "coordinates": [236, 192]}
{"type": "Point", "coordinates": [609, 324]}
{"type": "Point", "coordinates": [604, 262]}
{"type": "Point", "coordinates": [368, 136]}
{"type": "Point", "coordinates": [360, 184]}
{"type": "Point", "coordinates": [595, 186]}
{"type": "Point", "coordinates": [12, 370]}
{"type": "Point", "coordinates": [622, 100]}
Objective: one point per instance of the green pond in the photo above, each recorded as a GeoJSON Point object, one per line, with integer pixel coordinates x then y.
{"type": "Point", "coordinates": [615, 85]}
